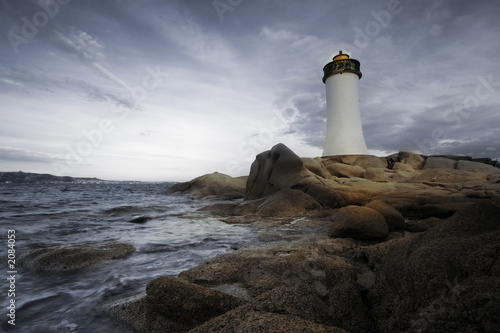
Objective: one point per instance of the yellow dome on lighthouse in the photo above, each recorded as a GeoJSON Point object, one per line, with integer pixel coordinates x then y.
{"type": "Point", "coordinates": [341, 56]}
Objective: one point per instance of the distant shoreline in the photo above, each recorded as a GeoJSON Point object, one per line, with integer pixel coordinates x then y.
{"type": "Point", "coordinates": [20, 177]}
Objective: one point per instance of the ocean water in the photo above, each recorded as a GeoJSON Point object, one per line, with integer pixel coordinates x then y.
{"type": "Point", "coordinates": [43, 215]}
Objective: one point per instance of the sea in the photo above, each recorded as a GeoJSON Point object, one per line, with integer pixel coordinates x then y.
{"type": "Point", "coordinates": [175, 238]}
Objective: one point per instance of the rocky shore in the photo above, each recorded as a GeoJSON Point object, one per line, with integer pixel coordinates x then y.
{"type": "Point", "coordinates": [404, 243]}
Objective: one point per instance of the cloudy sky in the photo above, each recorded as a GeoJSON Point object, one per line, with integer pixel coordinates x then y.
{"type": "Point", "coordinates": [172, 89]}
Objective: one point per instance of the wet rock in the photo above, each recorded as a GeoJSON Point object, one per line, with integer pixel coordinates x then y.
{"type": "Point", "coordinates": [359, 223]}
{"type": "Point", "coordinates": [140, 219]}
{"type": "Point", "coordinates": [223, 209]}
{"type": "Point", "coordinates": [72, 257]}
{"type": "Point", "coordinates": [212, 186]}
{"type": "Point", "coordinates": [187, 303]}
{"type": "Point", "coordinates": [302, 280]}
{"type": "Point", "coordinates": [141, 317]}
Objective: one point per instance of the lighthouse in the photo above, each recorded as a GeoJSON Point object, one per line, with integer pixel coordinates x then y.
{"type": "Point", "coordinates": [344, 132]}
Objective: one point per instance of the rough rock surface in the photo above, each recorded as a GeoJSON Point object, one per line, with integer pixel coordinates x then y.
{"type": "Point", "coordinates": [276, 169]}
{"type": "Point", "coordinates": [393, 218]}
{"type": "Point", "coordinates": [417, 186]}
{"type": "Point", "coordinates": [446, 279]}
{"type": "Point", "coordinates": [365, 275]}
{"type": "Point", "coordinates": [287, 202]}
{"type": "Point", "coordinates": [212, 186]}
{"type": "Point", "coordinates": [71, 258]}
{"type": "Point", "coordinates": [358, 222]}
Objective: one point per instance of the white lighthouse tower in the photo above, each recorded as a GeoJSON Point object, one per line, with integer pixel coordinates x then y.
{"type": "Point", "coordinates": [344, 132]}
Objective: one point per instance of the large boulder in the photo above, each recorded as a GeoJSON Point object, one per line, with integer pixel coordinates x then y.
{"type": "Point", "coordinates": [412, 160]}
{"type": "Point", "coordinates": [287, 202]}
{"type": "Point", "coordinates": [69, 258]}
{"type": "Point", "coordinates": [359, 223]}
{"type": "Point", "coordinates": [446, 279]}
{"type": "Point", "coordinates": [393, 218]}
{"type": "Point", "coordinates": [439, 163]}
{"type": "Point", "coordinates": [187, 303]}
{"type": "Point", "coordinates": [304, 281]}
{"type": "Point", "coordinates": [212, 186]}
{"type": "Point", "coordinates": [476, 167]}
{"type": "Point", "coordinates": [172, 305]}
{"type": "Point", "coordinates": [273, 170]}
{"type": "Point", "coordinates": [280, 168]}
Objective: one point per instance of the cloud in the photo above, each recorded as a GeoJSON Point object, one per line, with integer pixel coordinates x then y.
{"type": "Point", "coordinates": [84, 46]}
{"type": "Point", "coordinates": [22, 155]}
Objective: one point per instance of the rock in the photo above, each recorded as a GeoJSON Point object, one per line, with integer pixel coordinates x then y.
{"type": "Point", "coordinates": [345, 170]}
{"type": "Point", "coordinates": [141, 317]}
{"type": "Point", "coordinates": [476, 167]}
{"type": "Point", "coordinates": [242, 320]}
{"type": "Point", "coordinates": [393, 218]}
{"type": "Point", "coordinates": [187, 303]}
{"type": "Point", "coordinates": [71, 257]}
{"type": "Point", "coordinates": [273, 170]}
{"type": "Point", "coordinates": [338, 197]}
{"type": "Point", "coordinates": [423, 225]}
{"type": "Point", "coordinates": [301, 280]}
{"type": "Point", "coordinates": [441, 280]}
{"type": "Point", "coordinates": [398, 166]}
{"type": "Point", "coordinates": [377, 175]}
{"type": "Point", "coordinates": [212, 186]}
{"type": "Point", "coordinates": [315, 166]}
{"type": "Point", "coordinates": [439, 163]}
{"type": "Point", "coordinates": [359, 223]}
{"type": "Point", "coordinates": [415, 161]}
{"type": "Point", "coordinates": [223, 209]}
{"type": "Point", "coordinates": [365, 161]}
{"type": "Point", "coordinates": [140, 219]}
{"type": "Point", "coordinates": [287, 202]}
{"type": "Point", "coordinates": [449, 176]}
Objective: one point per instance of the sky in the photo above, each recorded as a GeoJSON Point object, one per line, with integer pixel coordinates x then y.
{"type": "Point", "coordinates": [168, 90]}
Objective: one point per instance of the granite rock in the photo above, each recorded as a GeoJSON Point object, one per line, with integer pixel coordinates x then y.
{"type": "Point", "coordinates": [70, 258]}
{"type": "Point", "coordinates": [212, 186]}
